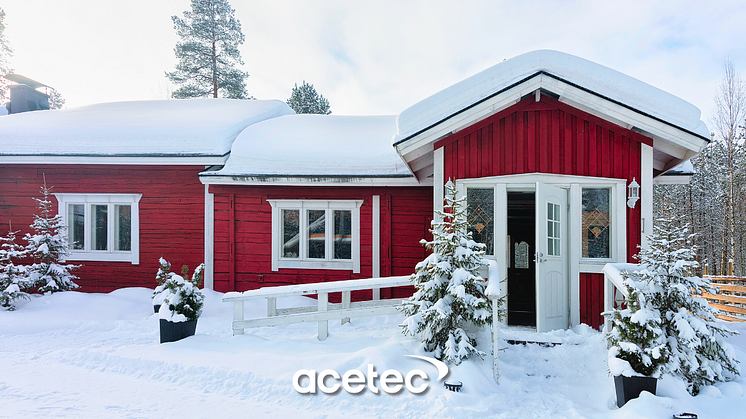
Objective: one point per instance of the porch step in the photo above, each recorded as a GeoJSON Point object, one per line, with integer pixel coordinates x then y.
{"type": "Point", "coordinates": [526, 342]}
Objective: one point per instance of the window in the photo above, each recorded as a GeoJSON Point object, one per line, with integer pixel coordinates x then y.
{"type": "Point", "coordinates": [553, 229]}
{"type": "Point", "coordinates": [480, 210]}
{"type": "Point", "coordinates": [315, 234]}
{"type": "Point", "coordinates": [102, 227]}
{"type": "Point", "coordinates": [596, 223]}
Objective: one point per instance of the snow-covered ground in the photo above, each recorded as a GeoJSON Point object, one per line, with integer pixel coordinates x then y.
{"type": "Point", "coordinates": [78, 355]}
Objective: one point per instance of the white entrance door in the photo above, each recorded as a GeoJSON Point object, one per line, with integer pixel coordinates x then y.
{"type": "Point", "coordinates": [551, 258]}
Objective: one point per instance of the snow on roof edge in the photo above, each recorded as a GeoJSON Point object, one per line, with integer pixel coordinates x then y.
{"type": "Point", "coordinates": [592, 77]}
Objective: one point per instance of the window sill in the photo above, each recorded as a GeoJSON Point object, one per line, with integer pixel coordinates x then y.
{"type": "Point", "coordinates": [317, 264]}
{"type": "Point", "coordinates": [104, 257]}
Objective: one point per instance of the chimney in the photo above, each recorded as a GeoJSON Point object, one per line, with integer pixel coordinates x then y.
{"type": "Point", "coordinates": [24, 97]}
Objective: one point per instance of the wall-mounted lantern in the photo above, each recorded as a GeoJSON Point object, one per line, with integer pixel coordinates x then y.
{"type": "Point", "coordinates": [633, 193]}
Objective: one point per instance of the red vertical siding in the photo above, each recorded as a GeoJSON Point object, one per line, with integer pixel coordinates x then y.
{"type": "Point", "coordinates": [404, 217]}
{"type": "Point", "coordinates": [171, 214]}
{"type": "Point", "coordinates": [551, 137]}
{"type": "Point", "coordinates": [592, 299]}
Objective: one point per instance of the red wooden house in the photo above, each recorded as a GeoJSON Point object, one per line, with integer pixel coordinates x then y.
{"type": "Point", "coordinates": [545, 147]}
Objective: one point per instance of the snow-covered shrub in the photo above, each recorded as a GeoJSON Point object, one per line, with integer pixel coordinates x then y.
{"type": "Point", "coordinates": [183, 301]}
{"type": "Point", "coordinates": [637, 344]}
{"type": "Point", "coordinates": [13, 278]}
{"type": "Point", "coordinates": [49, 247]}
{"type": "Point", "coordinates": [164, 272]}
{"type": "Point", "coordinates": [695, 342]}
{"type": "Point", "coordinates": [450, 292]}
{"type": "Point", "coordinates": [180, 299]}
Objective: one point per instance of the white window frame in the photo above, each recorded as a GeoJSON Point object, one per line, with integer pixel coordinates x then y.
{"type": "Point", "coordinates": [303, 262]}
{"type": "Point", "coordinates": [110, 255]}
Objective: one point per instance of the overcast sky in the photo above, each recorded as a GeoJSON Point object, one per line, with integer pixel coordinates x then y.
{"type": "Point", "coordinates": [375, 57]}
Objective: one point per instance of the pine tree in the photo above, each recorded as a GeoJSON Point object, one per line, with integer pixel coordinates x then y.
{"type": "Point", "coordinates": [305, 99]}
{"type": "Point", "coordinates": [696, 348]}
{"type": "Point", "coordinates": [13, 278]}
{"type": "Point", "coordinates": [55, 99]}
{"type": "Point", "coordinates": [636, 336]}
{"type": "Point", "coordinates": [49, 246]}
{"type": "Point", "coordinates": [208, 52]}
{"type": "Point", "coordinates": [450, 292]}
{"type": "Point", "coordinates": [5, 53]}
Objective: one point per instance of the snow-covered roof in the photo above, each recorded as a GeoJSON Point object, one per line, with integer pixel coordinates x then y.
{"type": "Point", "coordinates": [600, 80]}
{"type": "Point", "coordinates": [316, 145]}
{"type": "Point", "coordinates": [188, 127]}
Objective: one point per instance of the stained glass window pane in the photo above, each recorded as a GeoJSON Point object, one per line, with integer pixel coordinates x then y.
{"type": "Point", "coordinates": [76, 226]}
{"type": "Point", "coordinates": [99, 227]}
{"type": "Point", "coordinates": [290, 233]}
{"type": "Point", "coordinates": [480, 215]}
{"type": "Point", "coordinates": [342, 234]}
{"type": "Point", "coordinates": [596, 223]}
{"type": "Point", "coordinates": [123, 227]}
{"type": "Point", "coordinates": [316, 234]}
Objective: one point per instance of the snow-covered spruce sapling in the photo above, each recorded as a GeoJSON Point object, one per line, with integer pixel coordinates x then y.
{"type": "Point", "coordinates": [637, 345]}
{"type": "Point", "coordinates": [696, 347]}
{"type": "Point", "coordinates": [49, 246]}
{"type": "Point", "coordinates": [450, 292]}
{"type": "Point", "coordinates": [164, 271]}
{"type": "Point", "coordinates": [13, 278]}
{"type": "Point", "coordinates": [182, 299]}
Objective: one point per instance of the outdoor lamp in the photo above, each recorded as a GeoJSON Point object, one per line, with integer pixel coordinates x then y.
{"type": "Point", "coordinates": [633, 193]}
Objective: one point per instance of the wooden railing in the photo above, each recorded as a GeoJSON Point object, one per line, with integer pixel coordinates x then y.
{"type": "Point", "coordinates": [323, 311]}
{"type": "Point", "coordinates": [730, 298]}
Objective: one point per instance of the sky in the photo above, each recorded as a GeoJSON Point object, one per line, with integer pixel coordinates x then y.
{"type": "Point", "coordinates": [374, 57]}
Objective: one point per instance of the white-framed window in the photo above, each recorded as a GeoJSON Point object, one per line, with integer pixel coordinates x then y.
{"type": "Point", "coordinates": [316, 234]}
{"type": "Point", "coordinates": [102, 227]}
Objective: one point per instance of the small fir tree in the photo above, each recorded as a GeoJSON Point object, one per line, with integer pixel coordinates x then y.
{"type": "Point", "coordinates": [13, 278]}
{"type": "Point", "coordinates": [305, 99]}
{"type": "Point", "coordinates": [49, 246]}
{"type": "Point", "coordinates": [696, 347]}
{"type": "Point", "coordinates": [636, 336]}
{"type": "Point", "coordinates": [208, 53]}
{"type": "Point", "coordinates": [450, 292]}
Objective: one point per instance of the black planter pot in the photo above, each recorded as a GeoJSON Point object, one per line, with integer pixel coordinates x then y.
{"type": "Point", "coordinates": [171, 332]}
{"type": "Point", "coordinates": [156, 308]}
{"type": "Point", "coordinates": [628, 388]}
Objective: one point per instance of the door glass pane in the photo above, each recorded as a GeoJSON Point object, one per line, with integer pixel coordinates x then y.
{"type": "Point", "coordinates": [316, 234]}
{"type": "Point", "coordinates": [76, 226]}
{"type": "Point", "coordinates": [290, 233]}
{"type": "Point", "coordinates": [342, 234]}
{"type": "Point", "coordinates": [596, 223]}
{"type": "Point", "coordinates": [521, 255]}
{"type": "Point", "coordinates": [553, 229]}
{"type": "Point", "coordinates": [122, 227]}
{"type": "Point", "coordinates": [99, 227]}
{"type": "Point", "coordinates": [480, 214]}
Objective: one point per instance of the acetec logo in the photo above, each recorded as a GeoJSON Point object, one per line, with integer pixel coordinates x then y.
{"type": "Point", "coordinates": [355, 381]}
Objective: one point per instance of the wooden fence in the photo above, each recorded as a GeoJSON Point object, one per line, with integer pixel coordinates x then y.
{"type": "Point", "coordinates": [731, 297]}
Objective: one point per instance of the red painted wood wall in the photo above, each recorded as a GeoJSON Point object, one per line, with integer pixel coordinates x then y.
{"type": "Point", "coordinates": [592, 299]}
{"type": "Point", "coordinates": [243, 227]}
{"type": "Point", "coordinates": [550, 137]}
{"type": "Point", "coordinates": [171, 214]}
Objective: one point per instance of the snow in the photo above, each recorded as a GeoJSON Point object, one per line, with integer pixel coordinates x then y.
{"type": "Point", "coordinates": [185, 127]}
{"type": "Point", "coordinates": [323, 145]}
{"type": "Point", "coordinates": [83, 355]}
{"type": "Point", "coordinates": [595, 77]}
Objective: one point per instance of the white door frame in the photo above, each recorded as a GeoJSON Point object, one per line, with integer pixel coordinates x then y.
{"type": "Point", "coordinates": [574, 184]}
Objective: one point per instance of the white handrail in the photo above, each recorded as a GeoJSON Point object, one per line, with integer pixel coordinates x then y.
{"type": "Point", "coordinates": [613, 278]}
{"type": "Point", "coordinates": [324, 311]}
